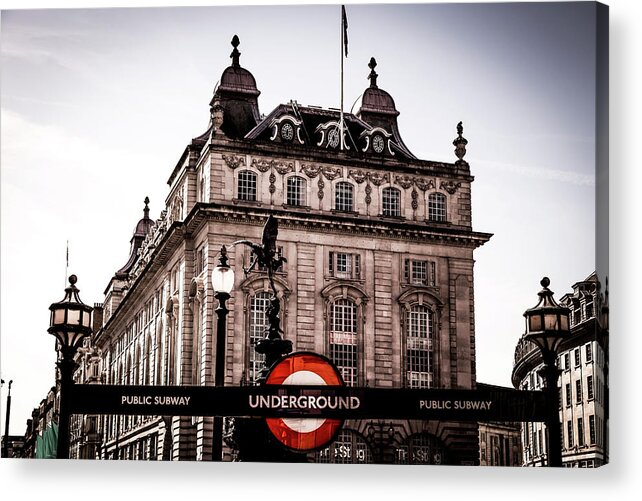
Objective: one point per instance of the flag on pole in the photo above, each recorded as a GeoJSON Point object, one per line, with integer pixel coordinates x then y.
{"type": "Point", "coordinates": [344, 22]}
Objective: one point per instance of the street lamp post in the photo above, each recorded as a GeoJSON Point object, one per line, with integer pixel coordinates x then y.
{"type": "Point", "coordinates": [5, 452]}
{"type": "Point", "coordinates": [222, 282]}
{"type": "Point", "coordinates": [547, 325]}
{"type": "Point", "coordinates": [70, 323]}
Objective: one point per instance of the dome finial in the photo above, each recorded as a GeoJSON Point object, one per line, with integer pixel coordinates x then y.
{"type": "Point", "coordinates": [235, 55]}
{"type": "Point", "coordinates": [373, 75]}
{"type": "Point", "coordinates": [146, 209]}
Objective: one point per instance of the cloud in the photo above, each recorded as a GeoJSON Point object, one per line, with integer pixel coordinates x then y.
{"type": "Point", "coordinates": [538, 172]}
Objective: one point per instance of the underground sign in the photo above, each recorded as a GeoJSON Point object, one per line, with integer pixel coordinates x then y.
{"type": "Point", "coordinates": [305, 434]}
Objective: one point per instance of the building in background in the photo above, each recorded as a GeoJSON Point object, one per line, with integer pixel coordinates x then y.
{"type": "Point", "coordinates": [379, 274]}
{"type": "Point", "coordinates": [500, 444]}
{"type": "Point", "coordinates": [583, 364]}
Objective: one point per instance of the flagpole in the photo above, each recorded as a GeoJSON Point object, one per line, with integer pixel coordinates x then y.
{"type": "Point", "coordinates": [342, 47]}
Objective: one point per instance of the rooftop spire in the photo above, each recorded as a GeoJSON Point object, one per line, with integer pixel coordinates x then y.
{"type": "Point", "coordinates": [373, 75]}
{"type": "Point", "coordinates": [146, 209]}
{"type": "Point", "coordinates": [235, 53]}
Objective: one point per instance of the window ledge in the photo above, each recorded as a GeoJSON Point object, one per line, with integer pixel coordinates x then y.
{"type": "Point", "coordinates": [246, 202]}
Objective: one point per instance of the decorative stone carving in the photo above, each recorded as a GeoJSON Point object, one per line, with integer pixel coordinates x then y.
{"type": "Point", "coordinates": [358, 175]}
{"type": "Point", "coordinates": [424, 184]}
{"type": "Point", "coordinates": [414, 196]}
{"type": "Point", "coordinates": [450, 187]}
{"type": "Point", "coordinates": [378, 179]}
{"type": "Point", "coordinates": [330, 173]}
{"type": "Point", "coordinates": [262, 164]}
{"type": "Point", "coordinates": [310, 170]}
{"type": "Point", "coordinates": [368, 193]}
{"type": "Point", "coordinates": [234, 161]}
{"type": "Point", "coordinates": [284, 167]}
{"type": "Point", "coordinates": [404, 181]}
{"type": "Point", "coordinates": [272, 181]}
{"type": "Point", "coordinates": [320, 184]}
{"type": "Point", "coordinates": [460, 143]}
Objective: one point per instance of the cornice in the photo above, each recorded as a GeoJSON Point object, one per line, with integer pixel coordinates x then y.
{"type": "Point", "coordinates": [292, 152]}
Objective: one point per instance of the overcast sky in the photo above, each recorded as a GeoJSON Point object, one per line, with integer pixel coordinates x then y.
{"type": "Point", "coordinates": [98, 105]}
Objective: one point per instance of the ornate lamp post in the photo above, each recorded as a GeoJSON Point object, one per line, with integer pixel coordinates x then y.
{"type": "Point", "coordinates": [5, 452]}
{"type": "Point", "coordinates": [547, 325]}
{"type": "Point", "coordinates": [70, 323]}
{"type": "Point", "coordinates": [222, 282]}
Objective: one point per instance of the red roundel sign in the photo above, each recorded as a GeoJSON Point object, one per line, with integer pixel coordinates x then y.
{"type": "Point", "coordinates": [304, 434]}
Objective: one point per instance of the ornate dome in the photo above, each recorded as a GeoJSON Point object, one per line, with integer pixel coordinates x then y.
{"type": "Point", "coordinates": [376, 100]}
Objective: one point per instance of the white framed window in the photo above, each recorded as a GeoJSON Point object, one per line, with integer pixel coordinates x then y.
{"type": "Point", "coordinates": [391, 202]}
{"type": "Point", "coordinates": [419, 347]}
{"type": "Point", "coordinates": [419, 272]}
{"type": "Point", "coordinates": [247, 186]}
{"type": "Point", "coordinates": [578, 391]}
{"type": "Point", "coordinates": [258, 324]}
{"type": "Point", "coordinates": [296, 188]}
{"type": "Point", "coordinates": [589, 388]}
{"type": "Point", "coordinates": [437, 207]}
{"type": "Point", "coordinates": [589, 353]}
{"type": "Point", "coordinates": [344, 265]}
{"type": "Point", "coordinates": [344, 197]}
{"type": "Point", "coordinates": [343, 339]}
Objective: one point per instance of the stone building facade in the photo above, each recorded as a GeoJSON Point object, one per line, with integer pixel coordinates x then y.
{"type": "Point", "coordinates": [583, 382]}
{"type": "Point", "coordinates": [500, 444]}
{"type": "Point", "coordinates": [379, 272]}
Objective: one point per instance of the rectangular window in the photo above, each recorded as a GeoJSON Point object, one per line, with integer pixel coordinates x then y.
{"type": "Point", "coordinates": [589, 353]}
{"type": "Point", "coordinates": [589, 309]}
{"type": "Point", "coordinates": [344, 265]}
{"type": "Point", "coordinates": [578, 391]}
{"type": "Point", "coordinates": [343, 339]}
{"type": "Point", "coordinates": [589, 388]}
{"type": "Point", "coordinates": [258, 324]}
{"type": "Point", "coordinates": [199, 261]}
{"type": "Point", "coordinates": [578, 361]}
{"type": "Point", "coordinates": [247, 186]}
{"type": "Point", "coordinates": [592, 429]}
{"type": "Point", "coordinates": [580, 431]}
{"type": "Point", "coordinates": [568, 394]}
{"type": "Point", "coordinates": [569, 427]}
{"type": "Point", "coordinates": [567, 361]}
{"type": "Point", "coordinates": [418, 272]}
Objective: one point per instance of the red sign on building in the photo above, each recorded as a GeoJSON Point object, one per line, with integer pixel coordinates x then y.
{"type": "Point", "coordinates": [306, 434]}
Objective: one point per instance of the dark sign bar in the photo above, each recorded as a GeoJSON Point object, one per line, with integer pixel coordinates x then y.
{"type": "Point", "coordinates": [487, 403]}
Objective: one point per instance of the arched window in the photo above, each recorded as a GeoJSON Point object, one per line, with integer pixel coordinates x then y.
{"type": "Point", "coordinates": [437, 207]}
{"type": "Point", "coordinates": [295, 191]}
{"type": "Point", "coordinates": [344, 197]}
{"type": "Point", "coordinates": [247, 186]}
{"type": "Point", "coordinates": [343, 339]}
{"type": "Point", "coordinates": [419, 349]}
{"type": "Point", "coordinates": [258, 323]}
{"type": "Point", "coordinates": [422, 448]}
{"type": "Point", "coordinates": [391, 202]}
{"type": "Point", "coordinates": [349, 448]}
